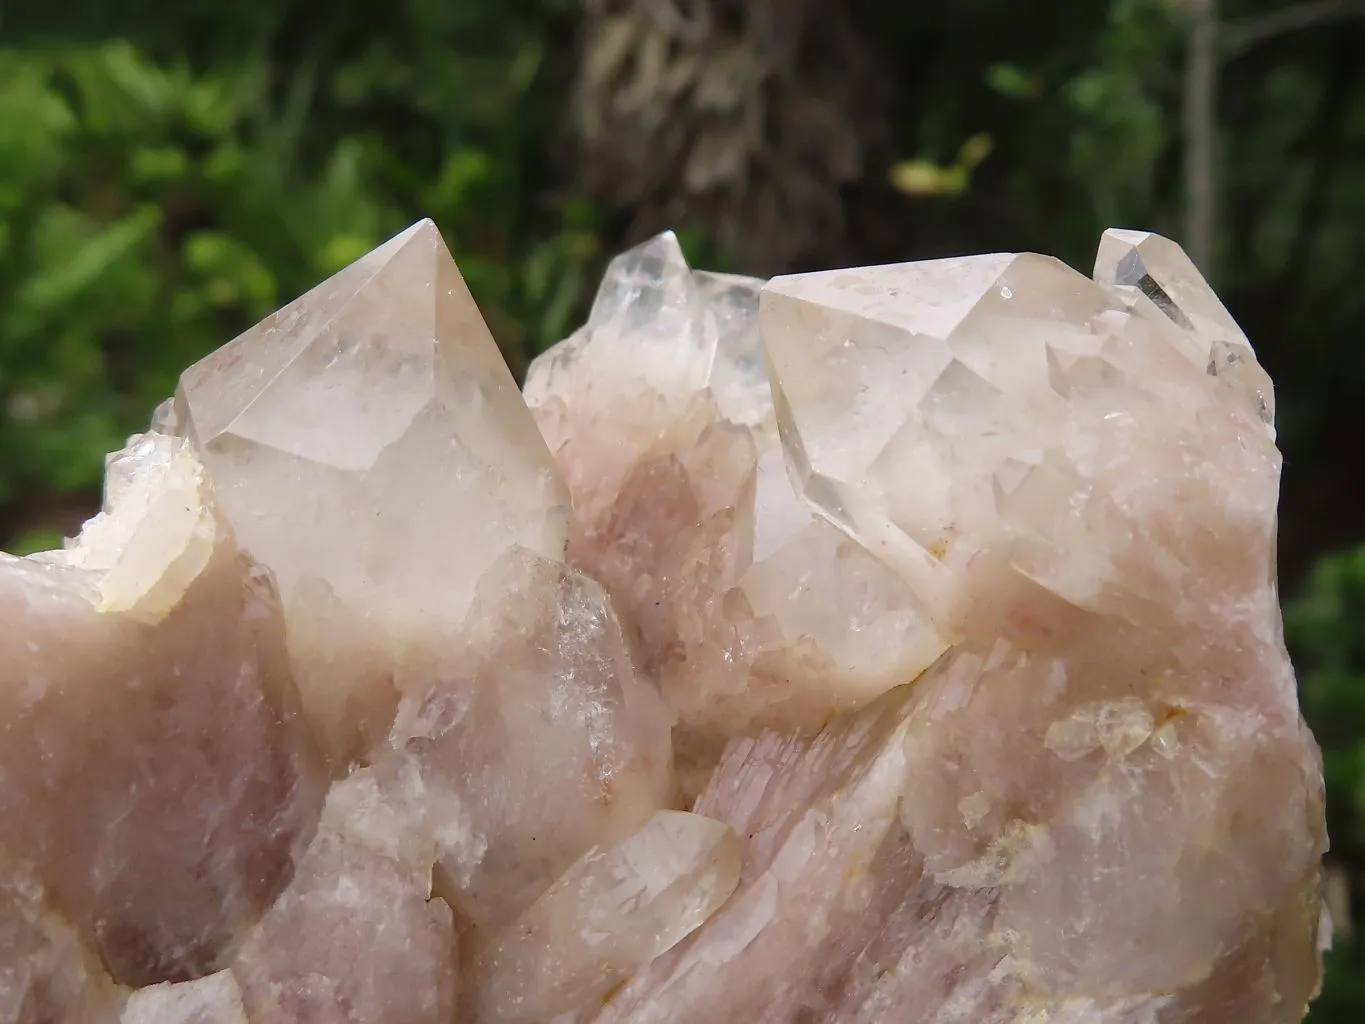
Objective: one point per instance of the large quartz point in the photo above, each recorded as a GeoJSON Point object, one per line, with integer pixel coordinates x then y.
{"type": "Point", "coordinates": [1022, 446]}
{"type": "Point", "coordinates": [749, 608]}
{"type": "Point", "coordinates": [156, 777]}
{"type": "Point", "coordinates": [369, 447]}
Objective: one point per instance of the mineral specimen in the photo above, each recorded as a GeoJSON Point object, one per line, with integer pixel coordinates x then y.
{"type": "Point", "coordinates": [901, 644]}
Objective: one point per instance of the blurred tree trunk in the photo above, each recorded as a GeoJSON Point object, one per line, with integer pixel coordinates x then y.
{"type": "Point", "coordinates": [742, 119]}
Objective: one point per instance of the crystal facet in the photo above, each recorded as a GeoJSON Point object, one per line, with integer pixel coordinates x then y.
{"type": "Point", "coordinates": [355, 937]}
{"type": "Point", "coordinates": [536, 743]}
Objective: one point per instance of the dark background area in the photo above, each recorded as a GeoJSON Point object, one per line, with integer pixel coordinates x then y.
{"type": "Point", "coordinates": [171, 171]}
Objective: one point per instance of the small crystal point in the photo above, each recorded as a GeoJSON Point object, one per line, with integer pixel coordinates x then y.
{"type": "Point", "coordinates": [1154, 276]}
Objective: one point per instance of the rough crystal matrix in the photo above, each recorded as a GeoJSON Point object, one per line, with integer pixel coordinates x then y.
{"type": "Point", "coordinates": [878, 645]}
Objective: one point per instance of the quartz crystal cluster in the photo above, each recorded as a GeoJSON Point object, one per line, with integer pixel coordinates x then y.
{"type": "Point", "coordinates": [897, 644]}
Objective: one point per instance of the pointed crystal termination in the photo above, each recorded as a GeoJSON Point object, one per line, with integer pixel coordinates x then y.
{"type": "Point", "coordinates": [1021, 446]}
{"type": "Point", "coordinates": [645, 314]}
{"type": "Point", "coordinates": [1154, 276]}
{"type": "Point", "coordinates": [158, 777]}
{"type": "Point", "coordinates": [369, 446]}
{"type": "Point", "coordinates": [750, 609]}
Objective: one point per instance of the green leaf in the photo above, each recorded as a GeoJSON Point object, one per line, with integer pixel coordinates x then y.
{"type": "Point", "coordinates": [62, 285]}
{"type": "Point", "coordinates": [1010, 80]}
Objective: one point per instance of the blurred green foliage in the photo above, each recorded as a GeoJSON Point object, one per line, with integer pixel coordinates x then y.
{"type": "Point", "coordinates": [150, 209]}
{"type": "Point", "coordinates": [170, 172]}
{"type": "Point", "coordinates": [1323, 626]}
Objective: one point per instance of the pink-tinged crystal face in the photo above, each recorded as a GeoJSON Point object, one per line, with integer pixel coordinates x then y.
{"type": "Point", "coordinates": [901, 644]}
{"type": "Point", "coordinates": [1072, 483]}
{"type": "Point", "coordinates": [536, 742]}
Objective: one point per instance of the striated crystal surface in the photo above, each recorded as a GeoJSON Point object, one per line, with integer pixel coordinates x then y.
{"type": "Point", "coordinates": [1015, 838]}
{"type": "Point", "coordinates": [369, 447]}
{"type": "Point", "coordinates": [910, 651]}
{"type": "Point", "coordinates": [155, 774]}
{"type": "Point", "coordinates": [748, 608]}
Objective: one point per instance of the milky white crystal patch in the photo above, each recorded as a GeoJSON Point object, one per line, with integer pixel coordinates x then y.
{"type": "Point", "coordinates": [156, 533]}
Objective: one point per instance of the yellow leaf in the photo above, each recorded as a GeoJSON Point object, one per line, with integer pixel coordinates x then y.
{"type": "Point", "coordinates": [918, 178]}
